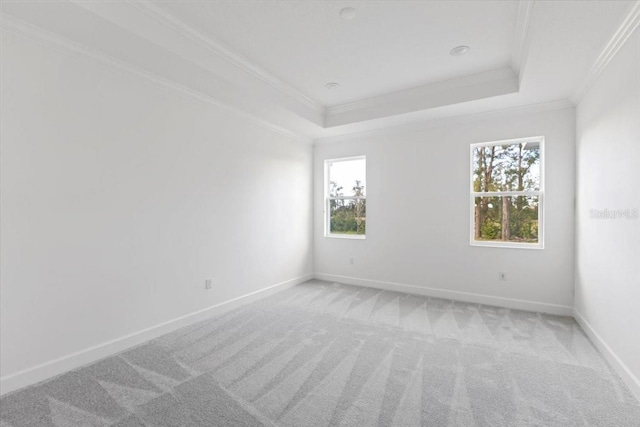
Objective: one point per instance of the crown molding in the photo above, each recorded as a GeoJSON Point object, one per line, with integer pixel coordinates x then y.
{"type": "Point", "coordinates": [522, 37]}
{"type": "Point", "coordinates": [224, 52]}
{"type": "Point", "coordinates": [448, 121]}
{"type": "Point", "coordinates": [33, 33]}
{"type": "Point", "coordinates": [617, 41]}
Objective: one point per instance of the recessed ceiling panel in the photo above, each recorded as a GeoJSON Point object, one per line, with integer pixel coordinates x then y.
{"type": "Point", "coordinates": [386, 47]}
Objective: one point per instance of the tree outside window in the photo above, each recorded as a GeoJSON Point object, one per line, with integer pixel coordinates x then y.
{"type": "Point", "coordinates": [506, 193]}
{"type": "Point", "coordinates": [346, 203]}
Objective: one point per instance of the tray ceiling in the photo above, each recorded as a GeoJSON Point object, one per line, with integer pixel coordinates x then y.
{"type": "Point", "coordinates": [271, 60]}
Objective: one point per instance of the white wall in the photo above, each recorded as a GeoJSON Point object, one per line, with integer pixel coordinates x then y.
{"type": "Point", "coordinates": [607, 298]}
{"type": "Point", "coordinates": [119, 199]}
{"type": "Point", "coordinates": [418, 216]}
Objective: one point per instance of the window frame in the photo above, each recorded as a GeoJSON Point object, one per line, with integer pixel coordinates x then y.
{"type": "Point", "coordinates": [536, 193]}
{"type": "Point", "coordinates": [328, 199]}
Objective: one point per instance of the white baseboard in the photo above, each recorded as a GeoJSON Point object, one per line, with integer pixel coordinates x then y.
{"type": "Point", "coordinates": [560, 310]}
{"type": "Point", "coordinates": [614, 361]}
{"type": "Point", "coordinates": [84, 357]}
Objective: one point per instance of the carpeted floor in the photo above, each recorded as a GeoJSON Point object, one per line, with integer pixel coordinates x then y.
{"type": "Point", "coordinates": [325, 354]}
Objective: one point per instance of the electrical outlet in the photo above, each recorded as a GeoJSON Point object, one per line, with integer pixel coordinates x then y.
{"type": "Point", "coordinates": [208, 284]}
{"type": "Point", "coordinates": [502, 276]}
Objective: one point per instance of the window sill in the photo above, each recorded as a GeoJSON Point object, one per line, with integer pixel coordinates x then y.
{"type": "Point", "coordinates": [507, 245]}
{"type": "Point", "coordinates": [347, 236]}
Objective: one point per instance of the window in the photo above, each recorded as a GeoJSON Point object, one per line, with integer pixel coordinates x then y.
{"type": "Point", "coordinates": [507, 185]}
{"type": "Point", "coordinates": [345, 199]}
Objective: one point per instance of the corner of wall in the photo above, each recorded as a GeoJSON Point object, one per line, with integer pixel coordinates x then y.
{"type": "Point", "coordinates": [612, 358]}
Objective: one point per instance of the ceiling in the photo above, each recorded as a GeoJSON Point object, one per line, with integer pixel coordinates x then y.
{"type": "Point", "coordinates": [271, 60]}
{"type": "Point", "coordinates": [388, 46]}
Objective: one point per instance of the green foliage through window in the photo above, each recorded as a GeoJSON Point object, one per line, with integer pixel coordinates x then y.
{"type": "Point", "coordinates": [506, 191]}
{"type": "Point", "coordinates": [347, 205]}
{"type": "Point", "coordinates": [348, 216]}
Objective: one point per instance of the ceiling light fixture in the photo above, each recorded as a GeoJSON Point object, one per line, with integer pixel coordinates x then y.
{"type": "Point", "coordinates": [347, 13]}
{"type": "Point", "coordinates": [332, 86]}
{"type": "Point", "coordinates": [459, 50]}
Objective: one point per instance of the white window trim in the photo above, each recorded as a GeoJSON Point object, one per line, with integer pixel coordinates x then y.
{"type": "Point", "coordinates": [540, 194]}
{"type": "Point", "coordinates": [328, 199]}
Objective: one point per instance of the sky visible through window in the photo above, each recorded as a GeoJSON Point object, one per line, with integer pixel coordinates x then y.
{"type": "Point", "coordinates": [345, 173]}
